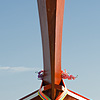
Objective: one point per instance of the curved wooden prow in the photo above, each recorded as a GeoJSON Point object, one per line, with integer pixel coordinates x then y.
{"type": "Point", "coordinates": [51, 21]}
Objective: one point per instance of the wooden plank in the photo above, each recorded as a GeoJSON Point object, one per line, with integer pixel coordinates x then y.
{"type": "Point", "coordinates": [45, 40]}
{"type": "Point", "coordinates": [58, 39]}
{"type": "Point", "coordinates": [68, 97]}
{"type": "Point", "coordinates": [32, 96]}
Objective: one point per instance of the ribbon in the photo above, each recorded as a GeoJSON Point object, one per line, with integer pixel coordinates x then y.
{"type": "Point", "coordinates": [45, 97]}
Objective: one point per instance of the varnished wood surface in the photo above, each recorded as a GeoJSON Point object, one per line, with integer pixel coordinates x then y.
{"type": "Point", "coordinates": [51, 22]}
{"type": "Point", "coordinates": [37, 98]}
{"type": "Point", "coordinates": [69, 98]}
{"type": "Point", "coordinates": [30, 95]}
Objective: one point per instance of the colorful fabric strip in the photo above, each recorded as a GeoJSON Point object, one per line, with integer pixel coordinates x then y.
{"type": "Point", "coordinates": [60, 97]}
{"type": "Point", "coordinates": [43, 96]}
{"type": "Point", "coordinates": [63, 94]}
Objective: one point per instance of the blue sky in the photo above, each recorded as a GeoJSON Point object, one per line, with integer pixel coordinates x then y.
{"type": "Point", "coordinates": [21, 47]}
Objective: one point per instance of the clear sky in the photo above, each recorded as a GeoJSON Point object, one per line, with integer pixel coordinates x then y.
{"type": "Point", "coordinates": [21, 47]}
